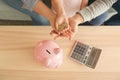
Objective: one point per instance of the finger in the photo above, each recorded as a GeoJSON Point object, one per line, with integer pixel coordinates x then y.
{"type": "Point", "coordinates": [62, 35]}
{"type": "Point", "coordinates": [56, 25]}
{"type": "Point", "coordinates": [56, 37]}
{"type": "Point", "coordinates": [53, 33]}
{"type": "Point", "coordinates": [73, 34]}
{"type": "Point", "coordinates": [65, 29]}
{"type": "Point", "coordinates": [63, 26]}
{"type": "Point", "coordinates": [70, 33]}
{"type": "Point", "coordinates": [65, 34]}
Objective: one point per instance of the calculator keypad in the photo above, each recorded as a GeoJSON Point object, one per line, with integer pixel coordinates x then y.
{"type": "Point", "coordinates": [85, 54]}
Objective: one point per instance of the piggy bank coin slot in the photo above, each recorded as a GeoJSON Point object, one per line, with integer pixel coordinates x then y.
{"type": "Point", "coordinates": [48, 51]}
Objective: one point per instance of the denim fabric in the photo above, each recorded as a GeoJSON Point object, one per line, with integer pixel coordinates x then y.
{"type": "Point", "coordinates": [115, 19]}
{"type": "Point", "coordinates": [29, 4]}
{"type": "Point", "coordinates": [36, 18]}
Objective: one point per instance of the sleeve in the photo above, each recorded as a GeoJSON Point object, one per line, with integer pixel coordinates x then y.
{"type": "Point", "coordinates": [29, 4]}
{"type": "Point", "coordinates": [96, 9]}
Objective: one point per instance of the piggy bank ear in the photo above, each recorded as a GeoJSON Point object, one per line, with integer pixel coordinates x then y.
{"type": "Point", "coordinates": [57, 50]}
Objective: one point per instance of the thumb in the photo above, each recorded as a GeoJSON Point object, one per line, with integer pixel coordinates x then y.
{"type": "Point", "coordinates": [56, 26]}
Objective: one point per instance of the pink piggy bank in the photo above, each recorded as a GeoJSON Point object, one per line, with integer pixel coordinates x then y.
{"type": "Point", "coordinates": [49, 54]}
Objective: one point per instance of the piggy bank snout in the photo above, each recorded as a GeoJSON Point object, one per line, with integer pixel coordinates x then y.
{"type": "Point", "coordinates": [57, 50]}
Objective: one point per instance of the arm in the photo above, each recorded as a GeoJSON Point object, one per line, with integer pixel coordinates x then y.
{"type": "Point", "coordinates": [96, 9]}
{"type": "Point", "coordinates": [43, 10]}
{"type": "Point", "coordinates": [60, 12]}
{"type": "Point", "coordinates": [58, 7]}
{"type": "Point", "coordinates": [90, 12]}
{"type": "Point", "coordinates": [39, 7]}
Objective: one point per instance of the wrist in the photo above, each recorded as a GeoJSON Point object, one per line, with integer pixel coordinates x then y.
{"type": "Point", "coordinates": [51, 16]}
{"type": "Point", "coordinates": [52, 20]}
{"type": "Point", "coordinates": [61, 13]}
{"type": "Point", "coordinates": [78, 18]}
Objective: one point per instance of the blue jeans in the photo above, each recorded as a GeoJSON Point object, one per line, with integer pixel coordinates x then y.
{"type": "Point", "coordinates": [115, 19]}
{"type": "Point", "coordinates": [97, 21]}
{"type": "Point", "coordinates": [36, 18]}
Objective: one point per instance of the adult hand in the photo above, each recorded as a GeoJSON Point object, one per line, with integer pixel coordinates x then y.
{"type": "Point", "coordinates": [57, 20]}
{"type": "Point", "coordinates": [73, 26]}
{"type": "Point", "coordinates": [71, 29]}
{"type": "Point", "coordinates": [69, 33]}
{"type": "Point", "coordinates": [61, 25]}
{"type": "Point", "coordinates": [74, 22]}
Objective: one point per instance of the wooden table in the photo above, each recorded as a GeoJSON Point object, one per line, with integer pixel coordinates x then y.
{"type": "Point", "coordinates": [17, 62]}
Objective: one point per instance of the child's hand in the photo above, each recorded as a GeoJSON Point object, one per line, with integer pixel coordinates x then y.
{"type": "Point", "coordinates": [70, 32]}
{"type": "Point", "coordinates": [61, 20]}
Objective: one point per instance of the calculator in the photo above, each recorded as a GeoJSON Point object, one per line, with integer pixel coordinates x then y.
{"type": "Point", "coordinates": [85, 54]}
